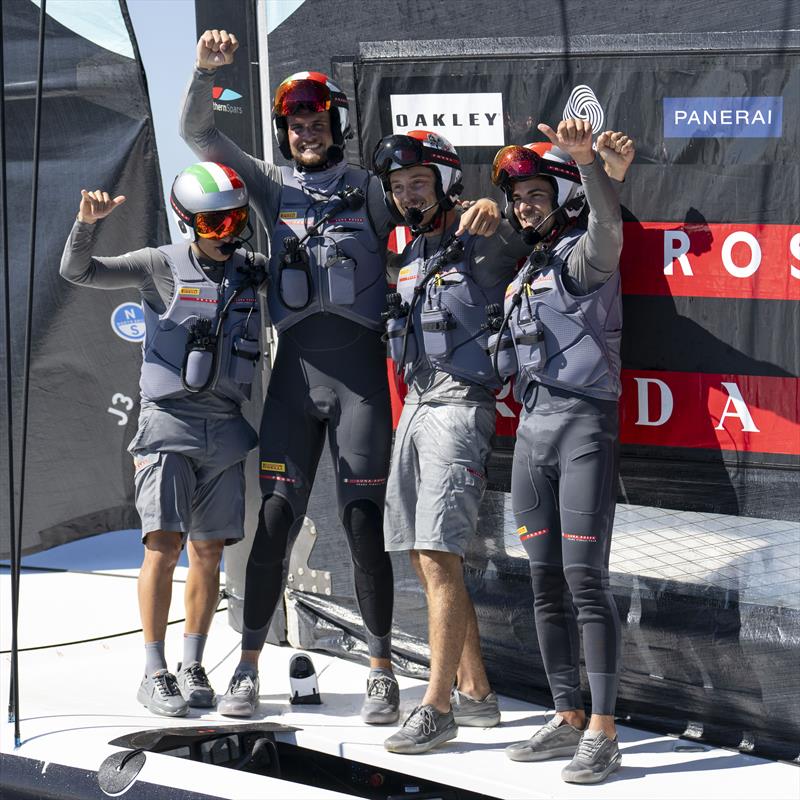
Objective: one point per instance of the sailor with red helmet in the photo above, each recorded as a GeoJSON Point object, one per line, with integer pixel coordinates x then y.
{"type": "Point", "coordinates": [437, 329]}
{"type": "Point", "coordinates": [561, 338]}
{"type": "Point", "coordinates": [200, 352]}
{"type": "Point", "coordinates": [328, 227]}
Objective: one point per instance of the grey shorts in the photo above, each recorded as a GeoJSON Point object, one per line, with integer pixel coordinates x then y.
{"type": "Point", "coordinates": [189, 474]}
{"type": "Point", "coordinates": [438, 476]}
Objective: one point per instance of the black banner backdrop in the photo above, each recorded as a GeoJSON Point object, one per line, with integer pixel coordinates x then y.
{"type": "Point", "coordinates": [96, 133]}
{"type": "Point", "coordinates": [702, 652]}
{"type": "Point", "coordinates": [711, 270]}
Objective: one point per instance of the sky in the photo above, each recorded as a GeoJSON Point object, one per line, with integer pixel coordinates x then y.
{"type": "Point", "coordinates": [165, 33]}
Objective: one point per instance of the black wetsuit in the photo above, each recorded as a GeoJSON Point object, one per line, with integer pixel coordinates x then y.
{"type": "Point", "coordinates": [564, 478]}
{"type": "Point", "coordinates": [329, 376]}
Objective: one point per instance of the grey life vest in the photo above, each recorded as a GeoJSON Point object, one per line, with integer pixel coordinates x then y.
{"type": "Point", "coordinates": [565, 340]}
{"type": "Point", "coordinates": [449, 320]}
{"type": "Point", "coordinates": [196, 297]}
{"type": "Point", "coordinates": [342, 270]}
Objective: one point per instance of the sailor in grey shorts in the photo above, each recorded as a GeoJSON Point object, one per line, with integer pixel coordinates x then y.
{"type": "Point", "coordinates": [438, 475]}
{"type": "Point", "coordinates": [189, 473]}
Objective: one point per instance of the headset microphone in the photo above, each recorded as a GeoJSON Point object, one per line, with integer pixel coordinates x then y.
{"type": "Point", "coordinates": [334, 154]}
{"type": "Point", "coordinates": [530, 234]}
{"type": "Point", "coordinates": [414, 216]}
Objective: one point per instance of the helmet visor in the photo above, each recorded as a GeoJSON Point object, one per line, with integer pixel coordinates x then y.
{"type": "Point", "coordinates": [402, 151]}
{"type": "Point", "coordinates": [515, 163]}
{"type": "Point", "coordinates": [399, 151]}
{"type": "Point", "coordinates": [301, 95]}
{"type": "Point", "coordinates": [220, 224]}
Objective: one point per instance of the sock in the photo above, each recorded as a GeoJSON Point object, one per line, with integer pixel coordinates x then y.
{"type": "Point", "coordinates": [247, 667]}
{"type": "Point", "coordinates": [154, 659]}
{"type": "Point", "coordinates": [375, 671]}
{"type": "Point", "coordinates": [193, 646]}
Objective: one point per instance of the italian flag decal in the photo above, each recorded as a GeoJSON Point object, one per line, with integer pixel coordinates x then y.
{"type": "Point", "coordinates": [213, 177]}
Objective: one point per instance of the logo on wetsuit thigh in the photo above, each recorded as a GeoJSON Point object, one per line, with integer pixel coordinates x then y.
{"type": "Point", "coordinates": [525, 534]}
{"type": "Point", "coordinates": [578, 537]}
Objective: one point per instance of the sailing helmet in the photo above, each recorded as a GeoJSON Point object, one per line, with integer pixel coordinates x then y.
{"type": "Point", "coordinates": [419, 148]}
{"type": "Point", "coordinates": [312, 92]}
{"type": "Point", "coordinates": [541, 159]}
{"type": "Point", "coordinates": [209, 201]}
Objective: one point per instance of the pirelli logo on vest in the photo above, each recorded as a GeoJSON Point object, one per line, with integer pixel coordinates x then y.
{"type": "Point", "coordinates": [273, 466]}
{"type": "Point", "coordinates": [189, 291]}
{"type": "Point", "coordinates": [465, 118]}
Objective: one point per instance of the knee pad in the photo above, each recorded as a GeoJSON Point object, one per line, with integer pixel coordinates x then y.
{"type": "Point", "coordinates": [272, 535]}
{"type": "Point", "coordinates": [588, 587]}
{"type": "Point", "coordinates": [363, 524]}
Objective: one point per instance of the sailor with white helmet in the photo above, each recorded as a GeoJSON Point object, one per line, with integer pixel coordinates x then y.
{"type": "Point", "coordinates": [437, 329]}
{"type": "Point", "coordinates": [200, 357]}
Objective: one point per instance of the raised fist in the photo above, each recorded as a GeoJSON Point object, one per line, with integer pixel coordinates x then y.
{"type": "Point", "coordinates": [215, 49]}
{"type": "Point", "coordinates": [617, 151]}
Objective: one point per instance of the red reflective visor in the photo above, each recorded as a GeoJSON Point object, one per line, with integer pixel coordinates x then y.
{"type": "Point", "coordinates": [220, 224]}
{"type": "Point", "coordinates": [301, 95]}
{"type": "Point", "coordinates": [515, 163]}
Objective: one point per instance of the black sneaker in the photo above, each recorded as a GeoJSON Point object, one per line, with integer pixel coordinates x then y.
{"type": "Point", "coordinates": [425, 728]}
{"type": "Point", "coordinates": [596, 758]}
{"type": "Point", "coordinates": [159, 694]}
{"type": "Point", "coordinates": [195, 686]}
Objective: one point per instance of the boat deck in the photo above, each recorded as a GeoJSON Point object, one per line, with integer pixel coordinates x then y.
{"type": "Point", "coordinates": [81, 661]}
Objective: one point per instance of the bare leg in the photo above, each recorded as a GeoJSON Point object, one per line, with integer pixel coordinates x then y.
{"type": "Point", "coordinates": [202, 584]}
{"type": "Point", "coordinates": [161, 552]}
{"type": "Point", "coordinates": [447, 622]}
{"type": "Point", "coordinates": [605, 723]}
{"type": "Point", "coordinates": [472, 678]}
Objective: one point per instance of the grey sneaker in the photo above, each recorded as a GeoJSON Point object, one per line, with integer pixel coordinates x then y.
{"type": "Point", "coordinates": [552, 740]}
{"type": "Point", "coordinates": [382, 703]}
{"type": "Point", "coordinates": [159, 694]}
{"type": "Point", "coordinates": [424, 729]}
{"type": "Point", "coordinates": [241, 699]}
{"type": "Point", "coordinates": [596, 758]}
{"type": "Point", "coordinates": [195, 686]}
{"type": "Point", "coordinates": [475, 713]}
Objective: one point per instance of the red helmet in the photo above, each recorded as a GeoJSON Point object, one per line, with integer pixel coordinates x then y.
{"type": "Point", "coordinates": [541, 159]}
{"type": "Point", "coordinates": [314, 92]}
{"type": "Point", "coordinates": [419, 148]}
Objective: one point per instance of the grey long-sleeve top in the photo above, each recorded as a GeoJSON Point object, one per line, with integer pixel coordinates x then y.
{"type": "Point", "coordinates": [596, 255]}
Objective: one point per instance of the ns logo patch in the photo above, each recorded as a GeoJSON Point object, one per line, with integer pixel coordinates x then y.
{"type": "Point", "coordinates": [127, 321]}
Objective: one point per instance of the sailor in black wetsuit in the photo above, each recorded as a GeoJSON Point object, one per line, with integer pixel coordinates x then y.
{"type": "Point", "coordinates": [328, 226]}
{"type": "Point", "coordinates": [564, 315]}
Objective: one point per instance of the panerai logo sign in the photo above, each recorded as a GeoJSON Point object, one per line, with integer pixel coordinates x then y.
{"type": "Point", "coordinates": [471, 120]}
{"type": "Point", "coordinates": [718, 117]}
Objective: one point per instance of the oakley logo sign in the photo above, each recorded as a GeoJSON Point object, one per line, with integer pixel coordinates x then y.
{"type": "Point", "coordinates": [722, 117]}
{"type": "Point", "coordinates": [466, 119]}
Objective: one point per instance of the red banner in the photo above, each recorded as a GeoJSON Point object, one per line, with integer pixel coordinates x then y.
{"type": "Point", "coordinates": [744, 413]}
{"type": "Point", "coordinates": [759, 262]}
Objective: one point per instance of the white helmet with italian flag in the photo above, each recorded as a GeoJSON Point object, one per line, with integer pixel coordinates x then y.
{"type": "Point", "coordinates": [209, 201]}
